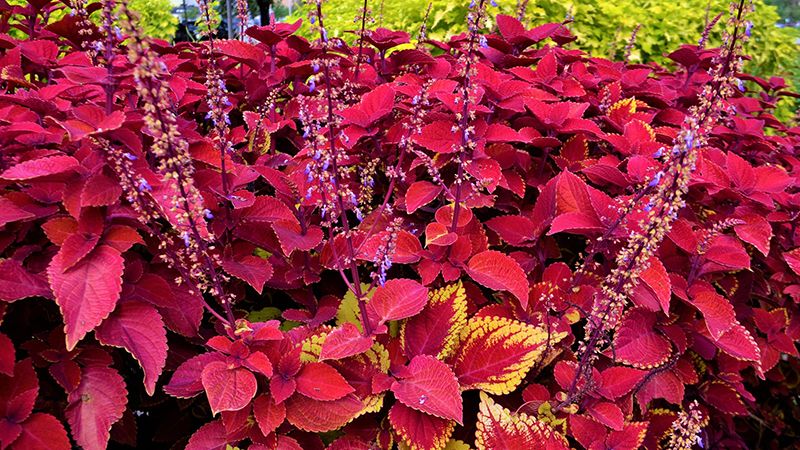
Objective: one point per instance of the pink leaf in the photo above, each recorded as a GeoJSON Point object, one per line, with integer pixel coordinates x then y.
{"type": "Point", "coordinates": [269, 416]}
{"type": "Point", "coordinates": [638, 343]}
{"type": "Point", "coordinates": [322, 382]}
{"type": "Point", "coordinates": [398, 299]}
{"type": "Point", "coordinates": [516, 230]}
{"type": "Point", "coordinates": [88, 292]}
{"type": "Point", "coordinates": [138, 328]}
{"type": "Point", "coordinates": [228, 389]}
{"type": "Point", "coordinates": [717, 310]}
{"type": "Point", "coordinates": [431, 387]}
{"type": "Point", "coordinates": [186, 380]}
{"type": "Point", "coordinates": [35, 168]}
{"type": "Point", "coordinates": [42, 432]}
{"type": "Point", "coordinates": [17, 283]}
{"type": "Point", "coordinates": [253, 269]}
{"type": "Point", "coordinates": [95, 405]}
{"type": "Point", "coordinates": [496, 270]}
{"type": "Point", "coordinates": [7, 355]}
{"type": "Point", "coordinates": [757, 231]}
{"type": "Point", "coordinates": [419, 194]}
{"type": "Point", "coordinates": [343, 342]}
{"type": "Point", "coordinates": [438, 137]}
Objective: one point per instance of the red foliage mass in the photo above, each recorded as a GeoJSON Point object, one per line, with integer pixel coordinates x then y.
{"type": "Point", "coordinates": [412, 247]}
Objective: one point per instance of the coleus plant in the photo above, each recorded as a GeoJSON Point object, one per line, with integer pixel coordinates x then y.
{"type": "Point", "coordinates": [494, 241]}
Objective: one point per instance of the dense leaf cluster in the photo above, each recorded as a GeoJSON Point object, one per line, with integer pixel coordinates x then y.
{"type": "Point", "coordinates": [305, 245]}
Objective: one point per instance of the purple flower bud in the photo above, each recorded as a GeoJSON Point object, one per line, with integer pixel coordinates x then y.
{"type": "Point", "coordinates": [306, 132]}
{"type": "Point", "coordinates": [315, 66]}
{"type": "Point", "coordinates": [648, 206]}
{"type": "Point", "coordinates": [313, 20]}
{"type": "Point", "coordinates": [689, 140]}
{"type": "Point", "coordinates": [655, 179]}
{"type": "Point", "coordinates": [312, 85]}
{"type": "Point", "coordinates": [472, 4]}
{"type": "Point", "coordinates": [359, 215]}
{"type": "Point", "coordinates": [748, 28]}
{"type": "Point", "coordinates": [307, 170]}
{"type": "Point", "coordinates": [494, 3]}
{"type": "Point", "coordinates": [208, 214]}
{"type": "Point", "coordinates": [186, 240]}
{"type": "Point", "coordinates": [483, 42]}
{"type": "Point", "coordinates": [740, 85]}
{"type": "Point", "coordinates": [144, 185]}
{"type": "Point", "coordinates": [325, 164]}
{"type": "Point", "coordinates": [129, 156]}
{"type": "Point", "coordinates": [325, 35]}
{"type": "Point", "coordinates": [658, 153]}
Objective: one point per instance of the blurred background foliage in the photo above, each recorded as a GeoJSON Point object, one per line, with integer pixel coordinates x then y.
{"type": "Point", "coordinates": [603, 27]}
{"type": "Point", "coordinates": [156, 18]}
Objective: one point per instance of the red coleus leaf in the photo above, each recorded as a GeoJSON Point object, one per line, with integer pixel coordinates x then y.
{"type": "Point", "coordinates": [792, 258]}
{"type": "Point", "coordinates": [18, 394]}
{"type": "Point", "coordinates": [739, 343]}
{"type": "Point", "coordinates": [419, 430]}
{"type": "Point", "coordinates": [664, 385]}
{"type": "Point", "coordinates": [497, 270]}
{"type": "Point", "coordinates": [655, 289]}
{"type": "Point", "coordinates": [320, 381]}
{"type": "Point", "coordinates": [344, 341]}
{"type": "Point", "coordinates": [608, 414]}
{"type": "Point", "coordinates": [637, 341]}
{"type": "Point", "coordinates": [95, 405]}
{"type": "Point", "coordinates": [437, 234]}
{"type": "Point", "coordinates": [7, 355]}
{"type": "Point", "coordinates": [16, 282]}
{"type": "Point", "coordinates": [138, 328]}
{"type": "Point", "coordinates": [228, 388]}
{"type": "Point", "coordinates": [629, 438]}
{"type": "Point", "coordinates": [435, 330]}
{"type": "Point", "coordinates": [35, 168]}
{"type": "Point", "coordinates": [101, 189]}
{"type": "Point", "coordinates": [723, 397]}
{"type": "Point", "coordinates": [757, 231]}
{"type": "Point", "coordinates": [292, 237]}
{"type": "Point", "coordinates": [438, 137]}
{"type": "Point", "coordinates": [269, 416]}
{"type": "Point", "coordinates": [516, 230]}
{"type": "Point", "coordinates": [186, 381]}
{"type": "Point", "coordinates": [495, 353]}
{"type": "Point", "coordinates": [419, 194]}
{"type": "Point", "coordinates": [497, 428]}
{"type": "Point", "coordinates": [320, 416]}
{"type": "Point", "coordinates": [10, 212]}
{"type": "Point", "coordinates": [717, 310]}
{"type": "Point", "coordinates": [429, 385]}
{"type": "Point", "coordinates": [88, 292]}
{"type": "Point", "coordinates": [253, 269]}
{"type": "Point", "coordinates": [617, 381]}
{"type": "Point", "coordinates": [211, 436]}
{"type": "Point", "coordinates": [42, 432]}
{"type": "Point", "coordinates": [398, 299]}
{"type": "Point", "coordinates": [372, 107]}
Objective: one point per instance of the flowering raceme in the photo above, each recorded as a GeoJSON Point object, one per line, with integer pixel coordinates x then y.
{"type": "Point", "coordinates": [494, 241]}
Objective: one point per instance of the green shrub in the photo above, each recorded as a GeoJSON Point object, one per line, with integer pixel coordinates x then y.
{"type": "Point", "coordinates": [156, 17]}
